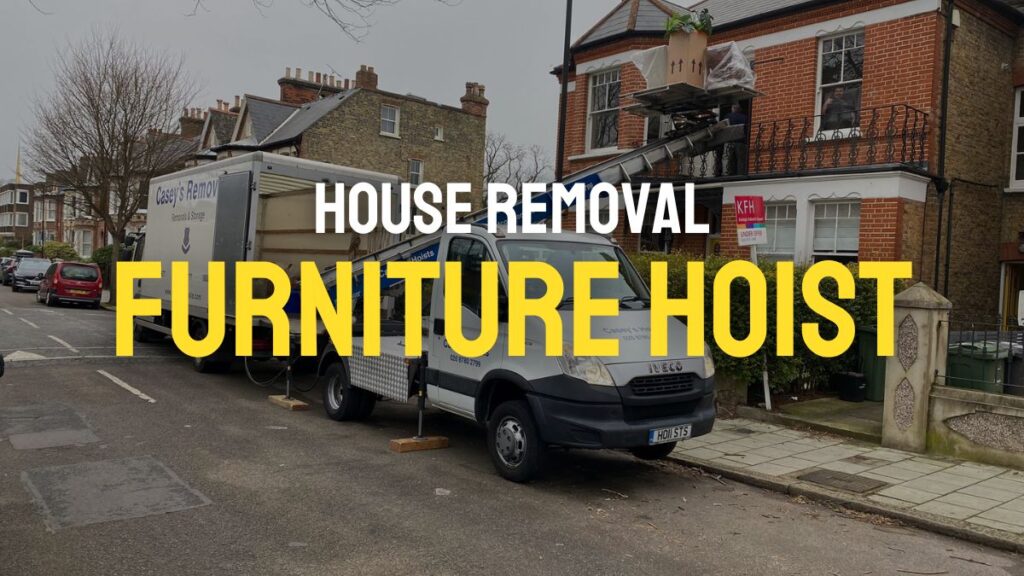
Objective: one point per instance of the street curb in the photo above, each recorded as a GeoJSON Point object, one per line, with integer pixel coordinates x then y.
{"type": "Point", "coordinates": [792, 487]}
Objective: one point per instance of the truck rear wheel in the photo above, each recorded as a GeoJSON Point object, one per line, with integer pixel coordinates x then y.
{"type": "Point", "coordinates": [514, 443]}
{"type": "Point", "coordinates": [342, 401]}
{"type": "Point", "coordinates": [656, 452]}
{"type": "Point", "coordinates": [212, 364]}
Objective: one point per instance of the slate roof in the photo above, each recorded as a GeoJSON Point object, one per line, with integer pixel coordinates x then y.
{"type": "Point", "coordinates": [631, 16]}
{"type": "Point", "coordinates": [731, 11]}
{"type": "Point", "coordinates": [304, 117]}
{"type": "Point", "coordinates": [223, 124]}
{"type": "Point", "coordinates": [266, 115]}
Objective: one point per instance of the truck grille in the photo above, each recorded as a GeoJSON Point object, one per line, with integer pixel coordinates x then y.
{"type": "Point", "coordinates": [663, 384]}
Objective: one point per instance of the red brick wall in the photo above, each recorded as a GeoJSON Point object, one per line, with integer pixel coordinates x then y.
{"type": "Point", "coordinates": [902, 66]}
{"type": "Point", "coordinates": [879, 229]}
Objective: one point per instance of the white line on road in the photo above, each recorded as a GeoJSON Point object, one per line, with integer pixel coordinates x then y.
{"type": "Point", "coordinates": [63, 343]}
{"type": "Point", "coordinates": [30, 323]}
{"type": "Point", "coordinates": [126, 386]}
{"type": "Point", "coordinates": [8, 312]}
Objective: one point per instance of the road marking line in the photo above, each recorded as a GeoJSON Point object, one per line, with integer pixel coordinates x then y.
{"type": "Point", "coordinates": [8, 312]}
{"type": "Point", "coordinates": [126, 386]}
{"type": "Point", "coordinates": [63, 343]}
{"type": "Point", "coordinates": [30, 323]}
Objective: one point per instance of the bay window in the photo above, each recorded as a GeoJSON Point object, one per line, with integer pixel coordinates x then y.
{"type": "Point", "coordinates": [836, 233]}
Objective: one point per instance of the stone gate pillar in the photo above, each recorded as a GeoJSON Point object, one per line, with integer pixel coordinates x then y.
{"type": "Point", "coordinates": [922, 336]}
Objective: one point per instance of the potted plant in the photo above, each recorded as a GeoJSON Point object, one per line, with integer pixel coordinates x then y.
{"type": "Point", "coordinates": [688, 35]}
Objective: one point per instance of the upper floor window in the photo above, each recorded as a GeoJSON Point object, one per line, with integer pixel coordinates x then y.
{"type": "Point", "coordinates": [390, 117]}
{"type": "Point", "coordinates": [603, 120]}
{"type": "Point", "coordinates": [439, 133]}
{"type": "Point", "coordinates": [1017, 162]}
{"type": "Point", "coordinates": [415, 172]}
{"type": "Point", "coordinates": [836, 231]}
{"type": "Point", "coordinates": [21, 219]}
{"type": "Point", "coordinates": [22, 197]}
{"type": "Point", "coordinates": [839, 81]}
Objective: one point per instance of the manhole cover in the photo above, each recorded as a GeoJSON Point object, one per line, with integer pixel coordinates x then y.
{"type": "Point", "coordinates": [866, 461]}
{"type": "Point", "coordinates": [93, 492]}
{"type": "Point", "coordinates": [842, 481]}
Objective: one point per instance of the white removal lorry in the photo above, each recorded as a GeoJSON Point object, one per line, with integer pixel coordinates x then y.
{"type": "Point", "coordinates": [633, 401]}
{"type": "Point", "coordinates": [258, 207]}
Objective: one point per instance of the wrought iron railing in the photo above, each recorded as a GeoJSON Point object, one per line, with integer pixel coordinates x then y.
{"type": "Point", "coordinates": [884, 135]}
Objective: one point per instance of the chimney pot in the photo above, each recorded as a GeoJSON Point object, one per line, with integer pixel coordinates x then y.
{"type": "Point", "coordinates": [298, 73]}
{"type": "Point", "coordinates": [288, 72]}
{"type": "Point", "coordinates": [318, 78]}
{"type": "Point", "coordinates": [238, 101]}
{"type": "Point", "coordinates": [366, 77]}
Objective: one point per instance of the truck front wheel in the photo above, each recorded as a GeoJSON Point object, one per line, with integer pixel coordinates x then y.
{"type": "Point", "coordinates": [656, 452]}
{"type": "Point", "coordinates": [342, 400]}
{"type": "Point", "coordinates": [514, 443]}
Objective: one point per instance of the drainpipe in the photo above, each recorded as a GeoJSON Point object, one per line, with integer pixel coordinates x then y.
{"type": "Point", "coordinates": [563, 103]}
{"type": "Point", "coordinates": [941, 184]}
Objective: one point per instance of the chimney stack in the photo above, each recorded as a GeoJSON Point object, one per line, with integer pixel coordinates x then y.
{"type": "Point", "coordinates": [474, 101]}
{"type": "Point", "coordinates": [190, 124]}
{"type": "Point", "coordinates": [296, 90]}
{"type": "Point", "coordinates": [366, 77]}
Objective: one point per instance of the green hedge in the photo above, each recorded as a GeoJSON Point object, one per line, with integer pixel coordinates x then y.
{"type": "Point", "coordinates": [799, 371]}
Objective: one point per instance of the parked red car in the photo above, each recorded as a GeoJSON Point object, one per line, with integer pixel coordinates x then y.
{"type": "Point", "coordinates": [71, 282]}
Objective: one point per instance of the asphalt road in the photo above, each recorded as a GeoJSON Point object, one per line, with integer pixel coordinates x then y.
{"type": "Point", "coordinates": [210, 478]}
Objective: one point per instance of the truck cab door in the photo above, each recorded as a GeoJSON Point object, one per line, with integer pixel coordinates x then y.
{"type": "Point", "coordinates": [458, 378]}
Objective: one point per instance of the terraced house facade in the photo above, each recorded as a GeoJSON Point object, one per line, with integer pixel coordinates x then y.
{"type": "Point", "coordinates": [845, 137]}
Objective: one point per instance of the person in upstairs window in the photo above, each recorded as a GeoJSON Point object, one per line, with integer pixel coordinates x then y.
{"type": "Point", "coordinates": [838, 112]}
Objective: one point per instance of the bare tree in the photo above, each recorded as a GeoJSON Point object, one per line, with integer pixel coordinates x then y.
{"type": "Point", "coordinates": [110, 125]}
{"type": "Point", "coordinates": [510, 163]}
{"type": "Point", "coordinates": [353, 17]}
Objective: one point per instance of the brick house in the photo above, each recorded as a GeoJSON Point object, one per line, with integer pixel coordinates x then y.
{"type": "Point", "coordinates": [47, 213]}
{"type": "Point", "coordinates": [16, 213]}
{"type": "Point", "coordinates": [843, 139]}
{"type": "Point", "coordinates": [357, 124]}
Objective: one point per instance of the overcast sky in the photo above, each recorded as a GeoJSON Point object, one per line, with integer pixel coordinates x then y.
{"type": "Point", "coordinates": [419, 46]}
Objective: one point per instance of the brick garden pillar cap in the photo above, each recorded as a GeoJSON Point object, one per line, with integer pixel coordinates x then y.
{"type": "Point", "coordinates": [922, 296]}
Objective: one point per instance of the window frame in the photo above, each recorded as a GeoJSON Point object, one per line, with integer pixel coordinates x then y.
{"type": "Point", "coordinates": [397, 120]}
{"type": "Point", "coordinates": [771, 226]}
{"type": "Point", "coordinates": [419, 175]}
{"type": "Point", "coordinates": [841, 256]}
{"type": "Point", "coordinates": [592, 79]}
{"type": "Point", "coordinates": [1017, 185]}
{"type": "Point", "coordinates": [820, 88]}
{"type": "Point", "coordinates": [439, 133]}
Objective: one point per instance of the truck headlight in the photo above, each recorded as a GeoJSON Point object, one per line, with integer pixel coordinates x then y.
{"type": "Point", "coordinates": [709, 362]}
{"type": "Point", "coordinates": [590, 369]}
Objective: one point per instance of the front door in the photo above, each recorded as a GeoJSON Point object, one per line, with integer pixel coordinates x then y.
{"type": "Point", "coordinates": [458, 378]}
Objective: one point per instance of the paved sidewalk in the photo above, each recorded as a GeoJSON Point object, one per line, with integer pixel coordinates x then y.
{"type": "Point", "coordinates": [964, 496]}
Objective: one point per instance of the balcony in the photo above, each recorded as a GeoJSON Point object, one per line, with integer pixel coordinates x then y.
{"type": "Point", "coordinates": [881, 138]}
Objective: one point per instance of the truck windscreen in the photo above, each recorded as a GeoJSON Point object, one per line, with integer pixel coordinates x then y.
{"type": "Point", "coordinates": [562, 255]}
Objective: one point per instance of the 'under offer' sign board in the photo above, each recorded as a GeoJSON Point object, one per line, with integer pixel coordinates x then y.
{"type": "Point", "coordinates": [750, 217]}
